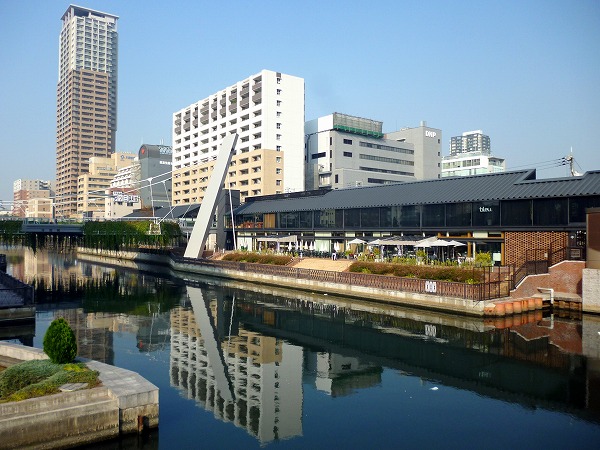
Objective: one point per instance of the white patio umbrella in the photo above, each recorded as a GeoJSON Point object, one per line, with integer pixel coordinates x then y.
{"type": "Point", "coordinates": [456, 243]}
{"type": "Point", "coordinates": [336, 246]}
{"type": "Point", "coordinates": [357, 241]}
{"type": "Point", "coordinates": [312, 246]}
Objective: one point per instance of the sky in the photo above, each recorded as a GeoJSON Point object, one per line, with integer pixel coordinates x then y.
{"type": "Point", "coordinates": [526, 73]}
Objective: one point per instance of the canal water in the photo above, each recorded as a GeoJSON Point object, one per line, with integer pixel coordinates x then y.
{"type": "Point", "coordinates": [247, 366]}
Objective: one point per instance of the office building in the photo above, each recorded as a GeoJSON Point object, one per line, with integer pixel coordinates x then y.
{"type": "Point", "coordinates": [86, 113]}
{"type": "Point", "coordinates": [471, 154]}
{"type": "Point", "coordinates": [152, 176]}
{"type": "Point", "coordinates": [266, 110]}
{"type": "Point", "coordinates": [32, 198]}
{"type": "Point", "coordinates": [345, 151]}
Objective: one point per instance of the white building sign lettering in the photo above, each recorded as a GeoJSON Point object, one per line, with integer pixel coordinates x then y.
{"type": "Point", "coordinates": [121, 197]}
{"type": "Point", "coordinates": [430, 286]}
{"type": "Point", "coordinates": [430, 134]}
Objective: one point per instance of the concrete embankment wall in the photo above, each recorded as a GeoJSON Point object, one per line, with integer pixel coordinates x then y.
{"type": "Point", "coordinates": [432, 302]}
{"type": "Point", "coordinates": [81, 417]}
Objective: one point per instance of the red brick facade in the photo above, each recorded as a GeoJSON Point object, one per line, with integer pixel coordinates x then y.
{"type": "Point", "coordinates": [522, 245]}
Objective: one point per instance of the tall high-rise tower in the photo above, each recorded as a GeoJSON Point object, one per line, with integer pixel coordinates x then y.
{"type": "Point", "coordinates": [86, 111]}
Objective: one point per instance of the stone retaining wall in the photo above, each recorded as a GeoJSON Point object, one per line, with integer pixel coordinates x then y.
{"type": "Point", "coordinates": [75, 418]}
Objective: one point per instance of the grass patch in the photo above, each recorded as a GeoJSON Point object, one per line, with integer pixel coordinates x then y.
{"type": "Point", "coordinates": [37, 378]}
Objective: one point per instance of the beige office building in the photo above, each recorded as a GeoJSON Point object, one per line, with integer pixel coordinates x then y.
{"type": "Point", "coordinates": [32, 198]}
{"type": "Point", "coordinates": [93, 185]}
{"type": "Point", "coordinates": [86, 113]}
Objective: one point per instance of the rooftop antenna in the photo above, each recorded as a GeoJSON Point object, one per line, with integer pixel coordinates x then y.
{"type": "Point", "coordinates": [571, 160]}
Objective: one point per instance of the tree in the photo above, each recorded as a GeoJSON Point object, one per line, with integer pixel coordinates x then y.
{"type": "Point", "coordinates": [59, 342]}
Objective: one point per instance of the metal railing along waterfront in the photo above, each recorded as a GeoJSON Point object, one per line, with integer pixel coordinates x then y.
{"type": "Point", "coordinates": [539, 261]}
{"type": "Point", "coordinates": [493, 287]}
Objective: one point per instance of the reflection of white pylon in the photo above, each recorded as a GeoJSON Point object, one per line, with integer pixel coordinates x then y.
{"type": "Point", "coordinates": [230, 324]}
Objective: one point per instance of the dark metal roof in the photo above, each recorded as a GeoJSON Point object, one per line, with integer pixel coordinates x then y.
{"type": "Point", "coordinates": [497, 186]}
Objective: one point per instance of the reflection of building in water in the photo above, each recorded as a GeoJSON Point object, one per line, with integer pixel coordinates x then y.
{"type": "Point", "coordinates": [262, 386]}
{"type": "Point", "coordinates": [339, 375]}
{"type": "Point", "coordinates": [54, 270]}
{"type": "Point", "coordinates": [92, 343]}
{"type": "Point", "coordinates": [94, 332]}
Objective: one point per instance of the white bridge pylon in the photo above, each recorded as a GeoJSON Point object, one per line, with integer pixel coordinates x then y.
{"type": "Point", "coordinates": [209, 202]}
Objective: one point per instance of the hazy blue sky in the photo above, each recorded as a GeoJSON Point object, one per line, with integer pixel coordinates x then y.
{"type": "Point", "coordinates": [527, 73]}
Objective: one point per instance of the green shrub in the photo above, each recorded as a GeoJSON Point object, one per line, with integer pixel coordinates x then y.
{"type": "Point", "coordinates": [483, 259]}
{"type": "Point", "coordinates": [440, 272]}
{"type": "Point", "coordinates": [59, 342]}
{"type": "Point", "coordinates": [37, 378]}
{"type": "Point", "coordinates": [24, 374]}
{"type": "Point", "coordinates": [258, 258]}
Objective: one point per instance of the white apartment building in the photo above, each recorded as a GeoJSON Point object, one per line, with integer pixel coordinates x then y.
{"type": "Point", "coordinates": [266, 110]}
{"type": "Point", "coordinates": [126, 176]}
{"type": "Point", "coordinates": [471, 154]}
{"type": "Point", "coordinates": [345, 151]}
{"type": "Point", "coordinates": [469, 142]}
{"type": "Point", "coordinates": [474, 163]}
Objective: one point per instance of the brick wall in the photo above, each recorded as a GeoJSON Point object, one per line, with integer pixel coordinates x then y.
{"type": "Point", "coordinates": [518, 243]}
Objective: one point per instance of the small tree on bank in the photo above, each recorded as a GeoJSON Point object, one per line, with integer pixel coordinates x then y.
{"type": "Point", "coordinates": [59, 342]}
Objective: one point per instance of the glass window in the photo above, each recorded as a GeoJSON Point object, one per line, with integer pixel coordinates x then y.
{"type": "Point", "coordinates": [329, 218]}
{"type": "Point", "coordinates": [550, 211]}
{"type": "Point", "coordinates": [385, 216]}
{"type": "Point", "coordinates": [458, 214]}
{"type": "Point", "coordinates": [578, 205]}
{"type": "Point", "coordinates": [305, 219]}
{"type": "Point", "coordinates": [516, 213]}
{"type": "Point", "coordinates": [369, 217]}
{"type": "Point", "coordinates": [410, 216]}
{"type": "Point", "coordinates": [434, 215]}
{"type": "Point", "coordinates": [486, 214]}
{"type": "Point", "coordinates": [288, 220]}
{"type": "Point", "coordinates": [351, 218]}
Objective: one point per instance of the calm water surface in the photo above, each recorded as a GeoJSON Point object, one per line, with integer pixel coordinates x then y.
{"type": "Point", "coordinates": [248, 366]}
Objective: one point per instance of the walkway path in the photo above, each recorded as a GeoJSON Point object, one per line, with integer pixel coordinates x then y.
{"type": "Point", "coordinates": [339, 265]}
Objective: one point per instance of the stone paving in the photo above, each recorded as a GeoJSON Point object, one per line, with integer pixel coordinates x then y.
{"type": "Point", "coordinates": [339, 265]}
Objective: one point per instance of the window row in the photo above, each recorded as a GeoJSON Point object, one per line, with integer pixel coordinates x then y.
{"type": "Point", "coordinates": [509, 213]}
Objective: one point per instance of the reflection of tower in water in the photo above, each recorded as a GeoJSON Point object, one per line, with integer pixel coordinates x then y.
{"type": "Point", "coordinates": [254, 381]}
